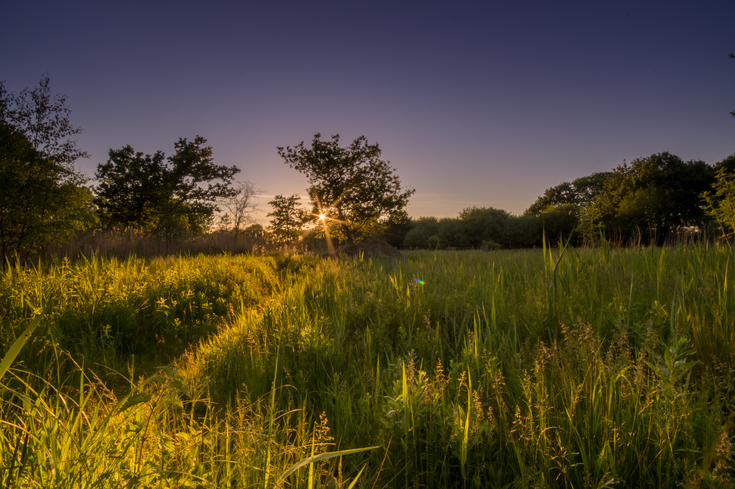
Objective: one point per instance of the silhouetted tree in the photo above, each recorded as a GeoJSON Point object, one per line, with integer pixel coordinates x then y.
{"type": "Point", "coordinates": [396, 230]}
{"type": "Point", "coordinates": [240, 207]}
{"type": "Point", "coordinates": [287, 217]}
{"type": "Point", "coordinates": [579, 192]}
{"type": "Point", "coordinates": [560, 222]}
{"type": "Point", "coordinates": [43, 199]}
{"type": "Point", "coordinates": [423, 229]}
{"type": "Point", "coordinates": [44, 120]}
{"type": "Point", "coordinates": [352, 187]}
{"type": "Point", "coordinates": [156, 194]}
{"type": "Point", "coordinates": [484, 224]}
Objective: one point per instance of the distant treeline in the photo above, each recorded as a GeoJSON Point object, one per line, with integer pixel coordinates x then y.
{"type": "Point", "coordinates": [648, 201]}
{"type": "Point", "coordinates": [353, 195]}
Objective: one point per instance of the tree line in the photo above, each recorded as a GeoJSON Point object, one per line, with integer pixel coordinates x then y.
{"type": "Point", "coordinates": [648, 201]}
{"type": "Point", "coordinates": [44, 200]}
{"type": "Point", "coordinates": [353, 194]}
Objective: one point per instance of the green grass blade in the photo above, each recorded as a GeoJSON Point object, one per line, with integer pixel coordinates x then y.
{"type": "Point", "coordinates": [17, 346]}
{"type": "Point", "coordinates": [271, 418]}
{"type": "Point", "coordinates": [320, 457]}
{"type": "Point", "coordinates": [357, 477]}
{"type": "Point", "coordinates": [465, 438]}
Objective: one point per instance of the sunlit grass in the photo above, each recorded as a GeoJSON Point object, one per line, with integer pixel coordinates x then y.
{"type": "Point", "coordinates": [533, 368]}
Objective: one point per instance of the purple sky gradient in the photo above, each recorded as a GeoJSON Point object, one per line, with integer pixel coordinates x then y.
{"type": "Point", "coordinates": [474, 103]}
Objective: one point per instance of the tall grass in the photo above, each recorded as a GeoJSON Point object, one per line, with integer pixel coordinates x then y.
{"type": "Point", "coordinates": [588, 367]}
{"type": "Point", "coordinates": [599, 367]}
{"type": "Point", "coordinates": [157, 435]}
{"type": "Point", "coordinates": [113, 312]}
{"type": "Point", "coordinates": [127, 242]}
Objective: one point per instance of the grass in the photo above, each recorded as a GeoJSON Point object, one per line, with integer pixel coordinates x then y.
{"type": "Point", "coordinates": [533, 368]}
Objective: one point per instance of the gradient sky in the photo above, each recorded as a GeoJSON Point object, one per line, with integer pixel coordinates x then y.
{"type": "Point", "coordinates": [473, 103]}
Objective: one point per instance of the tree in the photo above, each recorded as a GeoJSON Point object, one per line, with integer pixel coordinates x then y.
{"type": "Point", "coordinates": [396, 230]}
{"type": "Point", "coordinates": [288, 217]}
{"type": "Point", "coordinates": [559, 222]}
{"type": "Point", "coordinates": [156, 194]}
{"type": "Point", "coordinates": [423, 229]}
{"type": "Point", "coordinates": [721, 204]}
{"type": "Point", "coordinates": [131, 189]}
{"type": "Point", "coordinates": [43, 200]}
{"type": "Point", "coordinates": [484, 224]}
{"type": "Point", "coordinates": [44, 120]}
{"type": "Point", "coordinates": [239, 208]}
{"type": "Point", "coordinates": [352, 188]}
{"type": "Point", "coordinates": [579, 192]}
{"type": "Point", "coordinates": [653, 196]}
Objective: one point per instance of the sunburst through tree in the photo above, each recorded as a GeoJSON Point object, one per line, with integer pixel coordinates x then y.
{"type": "Point", "coordinates": [353, 193]}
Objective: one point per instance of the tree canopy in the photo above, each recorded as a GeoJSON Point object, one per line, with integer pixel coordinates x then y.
{"type": "Point", "coordinates": [43, 119]}
{"type": "Point", "coordinates": [159, 194]}
{"type": "Point", "coordinates": [351, 187]}
{"type": "Point", "coordinates": [654, 196]}
{"type": "Point", "coordinates": [721, 200]}
{"type": "Point", "coordinates": [43, 199]}
{"type": "Point", "coordinates": [287, 217]}
{"type": "Point", "coordinates": [579, 192]}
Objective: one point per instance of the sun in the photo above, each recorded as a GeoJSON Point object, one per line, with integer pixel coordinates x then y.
{"type": "Point", "coordinates": [322, 217]}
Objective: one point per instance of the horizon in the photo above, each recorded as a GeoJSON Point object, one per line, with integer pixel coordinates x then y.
{"type": "Point", "coordinates": [477, 105]}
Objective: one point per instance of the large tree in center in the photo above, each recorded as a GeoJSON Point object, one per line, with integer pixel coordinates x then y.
{"type": "Point", "coordinates": [353, 192]}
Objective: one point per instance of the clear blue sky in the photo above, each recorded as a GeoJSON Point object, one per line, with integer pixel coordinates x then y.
{"type": "Point", "coordinates": [474, 103]}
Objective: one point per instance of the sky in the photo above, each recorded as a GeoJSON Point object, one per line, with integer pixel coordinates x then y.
{"type": "Point", "coordinates": [473, 103]}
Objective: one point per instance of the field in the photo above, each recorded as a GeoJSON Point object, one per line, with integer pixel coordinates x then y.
{"type": "Point", "coordinates": [556, 367]}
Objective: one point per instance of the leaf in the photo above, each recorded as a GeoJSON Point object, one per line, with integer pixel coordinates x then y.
{"type": "Point", "coordinates": [17, 346]}
{"type": "Point", "coordinates": [357, 477]}
{"type": "Point", "coordinates": [134, 400]}
{"type": "Point", "coordinates": [320, 457]}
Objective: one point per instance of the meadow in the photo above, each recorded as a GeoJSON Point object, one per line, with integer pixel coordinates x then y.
{"type": "Point", "coordinates": [563, 367]}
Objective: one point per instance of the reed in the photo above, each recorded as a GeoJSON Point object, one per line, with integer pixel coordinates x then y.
{"type": "Point", "coordinates": [557, 367]}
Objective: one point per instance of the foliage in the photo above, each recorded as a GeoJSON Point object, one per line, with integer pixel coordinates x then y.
{"type": "Point", "coordinates": [521, 232]}
{"type": "Point", "coordinates": [287, 217]}
{"type": "Point", "coordinates": [721, 203]}
{"type": "Point", "coordinates": [562, 208]}
{"type": "Point", "coordinates": [452, 233]}
{"type": "Point", "coordinates": [254, 231]}
{"type": "Point", "coordinates": [550, 368]}
{"type": "Point", "coordinates": [557, 368]}
{"type": "Point", "coordinates": [156, 194]}
{"type": "Point", "coordinates": [44, 120]}
{"type": "Point", "coordinates": [579, 192]}
{"type": "Point", "coordinates": [396, 230]}
{"type": "Point", "coordinates": [423, 228]}
{"type": "Point", "coordinates": [110, 310]}
{"type": "Point", "coordinates": [484, 224]}
{"type": "Point", "coordinates": [43, 200]}
{"type": "Point", "coordinates": [652, 197]}
{"type": "Point", "coordinates": [488, 224]}
{"type": "Point", "coordinates": [560, 222]}
{"type": "Point", "coordinates": [474, 228]}
{"type": "Point", "coordinates": [351, 186]}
